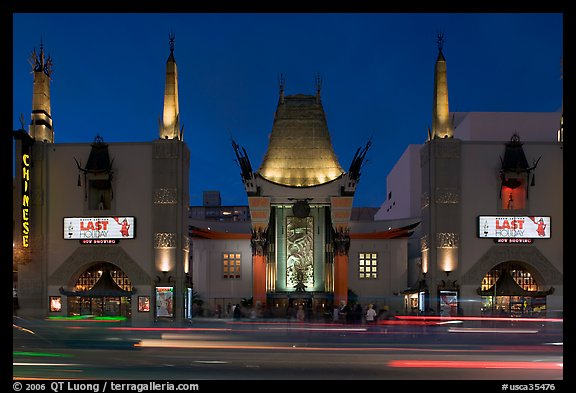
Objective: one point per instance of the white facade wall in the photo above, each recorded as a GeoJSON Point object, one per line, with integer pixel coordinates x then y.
{"type": "Point", "coordinates": [392, 270]}
{"type": "Point", "coordinates": [403, 186]}
{"type": "Point", "coordinates": [207, 271]}
{"type": "Point", "coordinates": [499, 126]}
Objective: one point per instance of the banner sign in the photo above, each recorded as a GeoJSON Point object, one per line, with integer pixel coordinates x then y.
{"type": "Point", "coordinates": [25, 195]}
{"type": "Point", "coordinates": [514, 227]}
{"type": "Point", "coordinates": [98, 228]}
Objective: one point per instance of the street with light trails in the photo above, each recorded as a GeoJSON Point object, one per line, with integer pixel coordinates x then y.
{"type": "Point", "coordinates": [212, 349]}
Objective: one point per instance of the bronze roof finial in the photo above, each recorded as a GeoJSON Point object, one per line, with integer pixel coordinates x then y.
{"type": "Point", "coordinates": [171, 38]}
{"type": "Point", "coordinates": [318, 86]}
{"type": "Point", "coordinates": [281, 86]}
{"type": "Point", "coordinates": [440, 40]}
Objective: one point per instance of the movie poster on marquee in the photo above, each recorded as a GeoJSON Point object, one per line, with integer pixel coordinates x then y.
{"type": "Point", "coordinates": [514, 227]}
{"type": "Point", "coordinates": [102, 228]}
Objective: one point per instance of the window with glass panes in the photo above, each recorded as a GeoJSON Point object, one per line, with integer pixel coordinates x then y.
{"type": "Point", "coordinates": [522, 277]}
{"type": "Point", "coordinates": [368, 265]}
{"type": "Point", "coordinates": [231, 265]}
{"type": "Point", "coordinates": [91, 276]}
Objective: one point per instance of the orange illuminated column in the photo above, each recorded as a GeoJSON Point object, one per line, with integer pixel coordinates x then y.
{"type": "Point", "coordinates": [341, 209]}
{"type": "Point", "coordinates": [340, 279]}
{"type": "Point", "coordinates": [259, 250]}
{"type": "Point", "coordinates": [341, 246]}
{"type": "Point", "coordinates": [259, 279]}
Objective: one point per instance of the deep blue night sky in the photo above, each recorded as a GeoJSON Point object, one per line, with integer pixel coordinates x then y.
{"type": "Point", "coordinates": [377, 72]}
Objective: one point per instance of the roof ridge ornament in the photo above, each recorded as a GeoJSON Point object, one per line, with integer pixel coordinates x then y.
{"type": "Point", "coordinates": [440, 40]}
{"type": "Point", "coordinates": [98, 139]}
{"type": "Point", "coordinates": [171, 37]}
{"type": "Point", "coordinates": [359, 161]}
{"type": "Point", "coordinates": [281, 86]}
{"type": "Point", "coordinates": [318, 86]}
{"type": "Point", "coordinates": [39, 62]}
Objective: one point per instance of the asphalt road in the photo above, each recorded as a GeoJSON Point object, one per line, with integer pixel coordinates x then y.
{"type": "Point", "coordinates": [224, 350]}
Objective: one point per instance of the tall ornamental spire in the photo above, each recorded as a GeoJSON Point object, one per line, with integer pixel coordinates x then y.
{"type": "Point", "coordinates": [170, 126]}
{"type": "Point", "coordinates": [41, 124]}
{"type": "Point", "coordinates": [441, 125]}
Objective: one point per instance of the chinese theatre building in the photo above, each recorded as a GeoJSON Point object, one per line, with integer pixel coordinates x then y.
{"type": "Point", "coordinates": [102, 228]}
{"type": "Point", "coordinates": [303, 246]}
{"type": "Point", "coordinates": [491, 203]}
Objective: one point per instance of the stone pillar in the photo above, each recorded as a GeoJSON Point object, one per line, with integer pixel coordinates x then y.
{"type": "Point", "coordinates": [259, 251]}
{"type": "Point", "coordinates": [341, 210]}
{"type": "Point", "coordinates": [341, 247]}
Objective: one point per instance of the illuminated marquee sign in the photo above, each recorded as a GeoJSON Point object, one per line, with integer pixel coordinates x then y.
{"type": "Point", "coordinates": [513, 228]}
{"type": "Point", "coordinates": [26, 198]}
{"type": "Point", "coordinates": [98, 230]}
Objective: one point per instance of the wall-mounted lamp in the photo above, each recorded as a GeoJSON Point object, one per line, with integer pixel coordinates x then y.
{"type": "Point", "coordinates": [164, 279]}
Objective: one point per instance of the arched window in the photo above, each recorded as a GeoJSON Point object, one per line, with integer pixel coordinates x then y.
{"type": "Point", "coordinates": [101, 291]}
{"type": "Point", "coordinates": [93, 274]}
{"type": "Point", "coordinates": [522, 276]}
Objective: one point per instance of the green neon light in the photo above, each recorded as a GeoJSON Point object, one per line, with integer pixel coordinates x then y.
{"type": "Point", "coordinates": [41, 354]}
{"type": "Point", "coordinates": [87, 317]}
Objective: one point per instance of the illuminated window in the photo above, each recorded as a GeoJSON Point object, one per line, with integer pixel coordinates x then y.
{"type": "Point", "coordinates": [231, 265]}
{"type": "Point", "coordinates": [513, 194]}
{"type": "Point", "coordinates": [93, 274]}
{"type": "Point", "coordinates": [368, 265]}
{"type": "Point", "coordinates": [509, 302]}
{"type": "Point", "coordinates": [522, 277]}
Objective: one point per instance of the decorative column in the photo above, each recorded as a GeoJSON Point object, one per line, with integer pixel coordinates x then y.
{"type": "Point", "coordinates": [341, 247]}
{"type": "Point", "coordinates": [260, 215]}
{"type": "Point", "coordinates": [259, 243]}
{"type": "Point", "coordinates": [341, 210]}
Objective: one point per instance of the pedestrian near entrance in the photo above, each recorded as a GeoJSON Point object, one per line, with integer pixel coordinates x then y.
{"type": "Point", "coordinates": [370, 314]}
{"type": "Point", "coordinates": [345, 312]}
{"type": "Point", "coordinates": [335, 314]}
{"type": "Point", "coordinates": [15, 305]}
{"type": "Point", "coordinates": [300, 314]}
{"type": "Point", "coordinates": [237, 312]}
